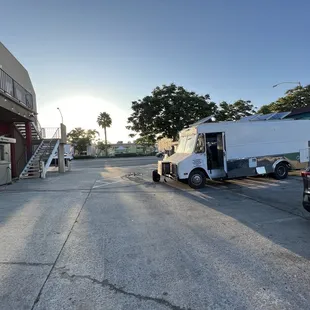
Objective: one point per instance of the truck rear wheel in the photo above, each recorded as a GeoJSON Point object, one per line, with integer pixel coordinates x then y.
{"type": "Point", "coordinates": [156, 176]}
{"type": "Point", "coordinates": [281, 171]}
{"type": "Point", "coordinates": [197, 179]}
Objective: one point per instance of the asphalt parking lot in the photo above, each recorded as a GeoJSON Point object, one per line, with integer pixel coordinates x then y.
{"type": "Point", "coordinates": [104, 236]}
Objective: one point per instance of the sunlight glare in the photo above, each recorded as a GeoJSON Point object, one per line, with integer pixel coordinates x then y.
{"type": "Point", "coordinates": [82, 111]}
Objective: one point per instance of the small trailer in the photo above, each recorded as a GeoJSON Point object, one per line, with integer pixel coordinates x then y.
{"type": "Point", "coordinates": [228, 150]}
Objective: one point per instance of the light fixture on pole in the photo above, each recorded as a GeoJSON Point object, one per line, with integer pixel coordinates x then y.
{"type": "Point", "coordinates": [62, 119]}
{"type": "Point", "coordinates": [286, 83]}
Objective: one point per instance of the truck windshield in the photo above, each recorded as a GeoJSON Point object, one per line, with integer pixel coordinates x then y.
{"type": "Point", "coordinates": [187, 144]}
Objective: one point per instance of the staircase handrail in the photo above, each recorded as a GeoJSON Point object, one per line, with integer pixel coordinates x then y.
{"type": "Point", "coordinates": [29, 161]}
{"type": "Point", "coordinates": [37, 128]}
{"type": "Point", "coordinates": [49, 148]}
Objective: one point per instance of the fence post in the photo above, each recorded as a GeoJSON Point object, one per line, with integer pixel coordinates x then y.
{"type": "Point", "coordinates": [42, 168]}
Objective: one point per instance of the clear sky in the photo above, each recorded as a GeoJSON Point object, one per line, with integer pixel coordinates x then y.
{"type": "Point", "coordinates": [92, 56]}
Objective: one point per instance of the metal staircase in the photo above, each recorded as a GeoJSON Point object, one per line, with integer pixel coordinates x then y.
{"type": "Point", "coordinates": [35, 131]}
{"type": "Point", "coordinates": [42, 158]}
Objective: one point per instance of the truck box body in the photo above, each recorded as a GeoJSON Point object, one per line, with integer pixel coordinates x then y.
{"type": "Point", "coordinates": [255, 139]}
{"type": "Point", "coordinates": [240, 149]}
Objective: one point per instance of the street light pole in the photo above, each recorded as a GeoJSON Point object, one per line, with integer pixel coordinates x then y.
{"type": "Point", "coordinates": [287, 83]}
{"type": "Point", "coordinates": [62, 119]}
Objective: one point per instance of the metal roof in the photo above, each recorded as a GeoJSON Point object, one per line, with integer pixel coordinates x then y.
{"type": "Point", "coordinates": [265, 117]}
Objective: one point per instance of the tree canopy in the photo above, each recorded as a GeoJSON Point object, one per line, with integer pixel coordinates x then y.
{"type": "Point", "coordinates": [297, 97]}
{"type": "Point", "coordinates": [104, 120]}
{"type": "Point", "coordinates": [81, 138]}
{"type": "Point", "coordinates": [146, 140]}
{"type": "Point", "coordinates": [168, 110]}
{"type": "Point", "coordinates": [234, 111]}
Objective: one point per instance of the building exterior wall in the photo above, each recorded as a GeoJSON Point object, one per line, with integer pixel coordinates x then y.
{"type": "Point", "coordinates": [17, 105]}
{"type": "Point", "coordinates": [118, 149]}
{"type": "Point", "coordinates": [4, 129]}
{"type": "Point", "coordinates": [10, 65]}
{"type": "Point", "coordinates": [20, 151]}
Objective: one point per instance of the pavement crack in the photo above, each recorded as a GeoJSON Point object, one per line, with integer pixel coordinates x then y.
{"type": "Point", "coordinates": [26, 264]}
{"type": "Point", "coordinates": [62, 247]}
{"type": "Point", "coordinates": [105, 283]}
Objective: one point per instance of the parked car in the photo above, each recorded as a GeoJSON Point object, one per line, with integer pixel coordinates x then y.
{"type": "Point", "coordinates": [160, 154]}
{"type": "Point", "coordinates": [306, 194]}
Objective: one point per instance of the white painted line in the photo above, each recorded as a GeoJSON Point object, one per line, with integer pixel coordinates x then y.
{"type": "Point", "coordinates": [278, 220]}
{"type": "Point", "coordinates": [106, 184]}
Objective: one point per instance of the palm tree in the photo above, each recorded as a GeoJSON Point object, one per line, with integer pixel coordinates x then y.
{"type": "Point", "coordinates": [104, 121]}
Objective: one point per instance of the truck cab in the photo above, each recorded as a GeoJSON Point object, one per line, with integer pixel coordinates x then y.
{"type": "Point", "coordinates": [197, 157]}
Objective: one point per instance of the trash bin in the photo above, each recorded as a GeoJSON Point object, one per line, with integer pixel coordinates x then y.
{"type": "Point", "coordinates": [306, 194]}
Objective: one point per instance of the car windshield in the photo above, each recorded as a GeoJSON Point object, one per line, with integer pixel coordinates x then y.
{"type": "Point", "coordinates": [187, 144]}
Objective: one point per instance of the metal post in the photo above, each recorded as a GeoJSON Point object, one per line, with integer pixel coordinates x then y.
{"type": "Point", "coordinates": [61, 148]}
{"type": "Point", "coordinates": [13, 153]}
{"type": "Point", "coordinates": [61, 158]}
{"type": "Point", "coordinates": [28, 140]}
{"type": "Point", "coordinates": [42, 168]}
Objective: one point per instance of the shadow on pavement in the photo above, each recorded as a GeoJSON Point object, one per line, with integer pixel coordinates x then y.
{"type": "Point", "coordinates": [269, 212]}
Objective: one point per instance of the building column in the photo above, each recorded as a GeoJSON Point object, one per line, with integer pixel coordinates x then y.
{"type": "Point", "coordinates": [61, 148]}
{"type": "Point", "coordinates": [13, 152]}
{"type": "Point", "coordinates": [61, 158]}
{"type": "Point", "coordinates": [28, 140]}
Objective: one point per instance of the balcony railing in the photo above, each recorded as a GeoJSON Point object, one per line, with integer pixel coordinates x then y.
{"type": "Point", "coordinates": [12, 89]}
{"type": "Point", "coordinates": [50, 133]}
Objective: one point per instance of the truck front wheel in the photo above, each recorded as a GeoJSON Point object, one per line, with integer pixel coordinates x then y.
{"type": "Point", "coordinates": [197, 179]}
{"type": "Point", "coordinates": [156, 176]}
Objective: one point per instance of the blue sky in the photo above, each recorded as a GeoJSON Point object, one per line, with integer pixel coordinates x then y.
{"type": "Point", "coordinates": [105, 54]}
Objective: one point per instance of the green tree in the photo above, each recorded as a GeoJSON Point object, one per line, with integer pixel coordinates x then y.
{"type": "Point", "coordinates": [168, 110]}
{"type": "Point", "coordinates": [81, 138]}
{"type": "Point", "coordinates": [234, 111]}
{"type": "Point", "coordinates": [104, 121]}
{"type": "Point", "coordinates": [146, 141]}
{"type": "Point", "coordinates": [265, 109]}
{"type": "Point", "coordinates": [102, 146]}
{"type": "Point", "coordinates": [294, 98]}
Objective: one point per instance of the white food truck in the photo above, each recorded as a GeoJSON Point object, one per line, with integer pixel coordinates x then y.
{"type": "Point", "coordinates": [227, 150]}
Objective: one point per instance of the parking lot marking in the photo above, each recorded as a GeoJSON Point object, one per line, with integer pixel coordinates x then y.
{"type": "Point", "coordinates": [105, 182]}
{"type": "Point", "coordinates": [278, 220]}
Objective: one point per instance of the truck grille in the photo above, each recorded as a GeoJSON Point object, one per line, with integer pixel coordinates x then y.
{"type": "Point", "coordinates": [165, 168]}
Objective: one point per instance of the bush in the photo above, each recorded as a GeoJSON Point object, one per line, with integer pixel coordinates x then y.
{"type": "Point", "coordinates": [84, 157]}
{"type": "Point", "coordinates": [126, 155]}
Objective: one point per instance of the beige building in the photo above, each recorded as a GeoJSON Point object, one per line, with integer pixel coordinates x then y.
{"type": "Point", "coordinates": [121, 148]}
{"type": "Point", "coordinates": [19, 122]}
{"type": "Point", "coordinates": [18, 109]}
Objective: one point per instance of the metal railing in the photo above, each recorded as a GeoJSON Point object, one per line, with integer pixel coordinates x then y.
{"type": "Point", "coordinates": [49, 148]}
{"type": "Point", "coordinates": [13, 89]}
{"type": "Point", "coordinates": [50, 133]}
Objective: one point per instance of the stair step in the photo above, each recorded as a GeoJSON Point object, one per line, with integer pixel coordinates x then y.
{"type": "Point", "coordinates": [30, 176]}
